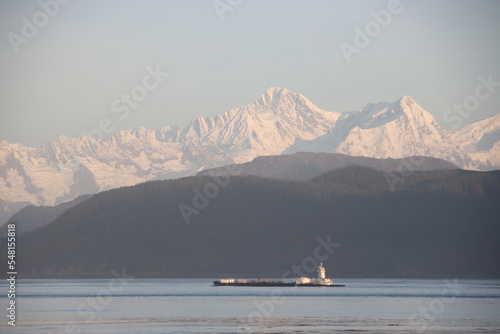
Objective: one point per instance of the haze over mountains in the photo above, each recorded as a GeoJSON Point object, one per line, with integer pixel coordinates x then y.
{"type": "Point", "coordinates": [307, 165]}
{"type": "Point", "coordinates": [278, 122]}
{"type": "Point", "coordinates": [434, 224]}
{"type": "Point", "coordinates": [32, 217]}
{"type": "Point", "coordinates": [297, 166]}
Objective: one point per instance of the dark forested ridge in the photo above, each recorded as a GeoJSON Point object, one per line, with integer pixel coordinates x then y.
{"type": "Point", "coordinates": [32, 217]}
{"type": "Point", "coordinates": [306, 165]}
{"type": "Point", "coordinates": [434, 224]}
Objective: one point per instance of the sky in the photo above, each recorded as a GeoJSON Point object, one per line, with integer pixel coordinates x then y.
{"type": "Point", "coordinates": [73, 67]}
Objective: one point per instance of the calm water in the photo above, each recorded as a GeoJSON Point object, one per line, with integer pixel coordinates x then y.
{"type": "Point", "coordinates": [129, 305]}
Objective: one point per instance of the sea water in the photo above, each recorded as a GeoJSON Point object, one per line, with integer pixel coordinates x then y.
{"type": "Point", "coordinates": [129, 305]}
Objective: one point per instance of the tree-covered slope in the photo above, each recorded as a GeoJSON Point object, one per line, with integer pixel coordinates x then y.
{"type": "Point", "coordinates": [434, 224]}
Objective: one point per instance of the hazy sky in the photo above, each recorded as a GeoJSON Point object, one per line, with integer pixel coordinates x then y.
{"type": "Point", "coordinates": [64, 77]}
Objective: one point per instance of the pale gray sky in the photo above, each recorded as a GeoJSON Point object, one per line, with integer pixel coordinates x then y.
{"type": "Point", "coordinates": [65, 76]}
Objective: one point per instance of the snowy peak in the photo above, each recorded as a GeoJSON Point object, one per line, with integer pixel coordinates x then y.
{"type": "Point", "coordinates": [404, 110]}
{"type": "Point", "coordinates": [277, 122]}
{"type": "Point", "coordinates": [270, 124]}
{"type": "Point", "coordinates": [407, 100]}
{"type": "Point", "coordinates": [481, 140]}
{"type": "Point", "coordinates": [374, 115]}
{"type": "Point", "coordinates": [370, 116]}
{"type": "Point", "coordinates": [280, 100]}
{"type": "Point", "coordinates": [143, 133]}
{"type": "Point", "coordinates": [273, 95]}
{"type": "Point", "coordinates": [415, 112]}
{"type": "Point", "coordinates": [387, 130]}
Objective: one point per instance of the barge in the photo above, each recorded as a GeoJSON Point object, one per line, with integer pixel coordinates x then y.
{"type": "Point", "coordinates": [322, 281]}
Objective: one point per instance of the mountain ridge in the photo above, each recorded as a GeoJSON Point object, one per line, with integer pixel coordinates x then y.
{"type": "Point", "coordinates": [442, 223]}
{"type": "Point", "coordinates": [31, 217]}
{"type": "Point", "coordinates": [277, 122]}
{"type": "Point", "coordinates": [298, 166]}
{"type": "Point", "coordinates": [307, 165]}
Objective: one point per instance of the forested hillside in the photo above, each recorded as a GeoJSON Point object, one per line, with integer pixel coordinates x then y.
{"type": "Point", "coordinates": [435, 224]}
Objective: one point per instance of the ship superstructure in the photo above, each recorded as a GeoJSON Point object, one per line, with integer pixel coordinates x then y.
{"type": "Point", "coordinates": [322, 280]}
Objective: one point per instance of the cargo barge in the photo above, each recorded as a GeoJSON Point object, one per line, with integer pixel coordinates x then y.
{"type": "Point", "coordinates": [299, 281]}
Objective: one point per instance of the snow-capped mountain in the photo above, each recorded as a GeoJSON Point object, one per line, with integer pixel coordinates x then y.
{"type": "Point", "coordinates": [267, 126]}
{"type": "Point", "coordinates": [278, 122]}
{"type": "Point", "coordinates": [481, 140]}
{"type": "Point", "coordinates": [389, 130]}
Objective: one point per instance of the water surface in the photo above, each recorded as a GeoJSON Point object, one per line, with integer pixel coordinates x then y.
{"type": "Point", "coordinates": [128, 305]}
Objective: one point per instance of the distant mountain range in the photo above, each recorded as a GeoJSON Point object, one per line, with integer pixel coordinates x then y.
{"type": "Point", "coordinates": [33, 217]}
{"type": "Point", "coordinates": [297, 166]}
{"type": "Point", "coordinates": [278, 122]}
{"type": "Point", "coordinates": [433, 224]}
{"type": "Point", "coordinates": [307, 165]}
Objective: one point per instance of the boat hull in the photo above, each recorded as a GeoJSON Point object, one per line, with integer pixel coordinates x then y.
{"type": "Point", "coordinates": [275, 283]}
{"type": "Point", "coordinates": [321, 281]}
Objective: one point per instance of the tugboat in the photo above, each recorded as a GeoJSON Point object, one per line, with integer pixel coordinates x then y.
{"type": "Point", "coordinates": [299, 281]}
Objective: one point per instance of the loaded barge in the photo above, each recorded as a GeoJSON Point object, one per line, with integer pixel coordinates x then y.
{"type": "Point", "coordinates": [299, 281]}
